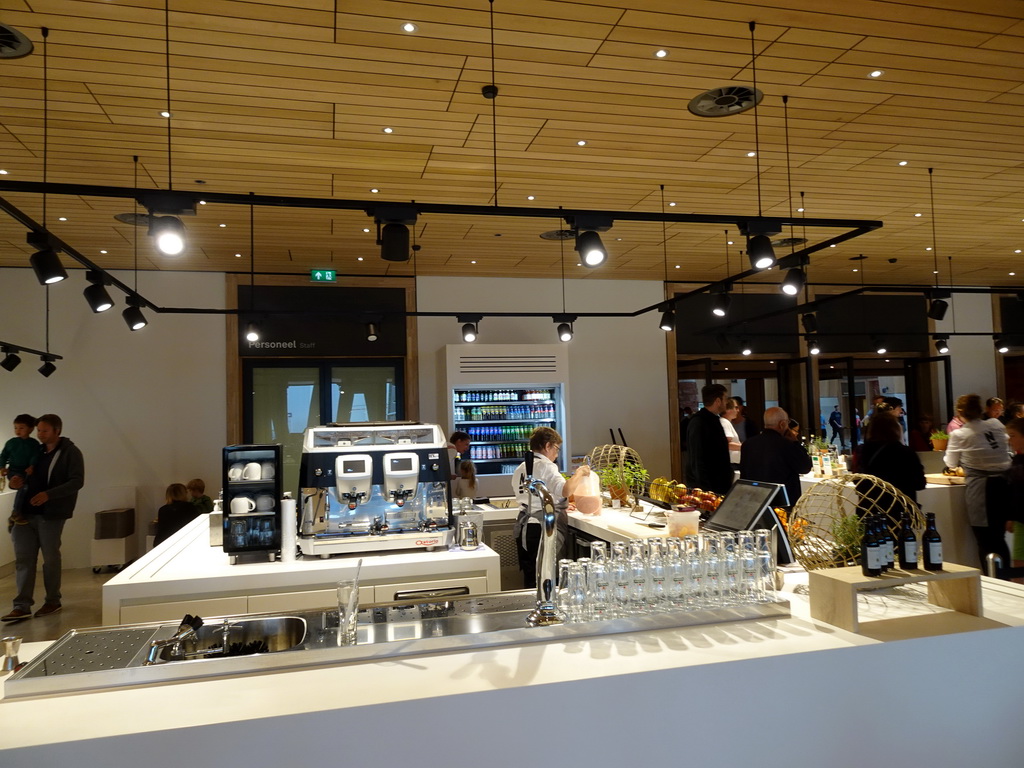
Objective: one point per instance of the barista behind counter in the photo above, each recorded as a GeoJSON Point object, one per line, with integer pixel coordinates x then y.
{"type": "Point", "coordinates": [545, 444]}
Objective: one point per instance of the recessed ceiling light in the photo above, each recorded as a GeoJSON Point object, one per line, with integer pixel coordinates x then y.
{"type": "Point", "coordinates": [928, 248]}
{"type": "Point", "coordinates": [751, 154]}
{"type": "Point", "coordinates": [831, 366]}
{"type": "Point", "coordinates": [366, 229]}
{"type": "Point", "coordinates": [876, 73]}
{"type": "Point", "coordinates": [238, 255]}
{"type": "Point", "coordinates": [529, 197]}
{"type": "Point", "coordinates": [409, 27]}
{"type": "Point", "coordinates": [856, 270]}
{"type": "Point", "coordinates": [578, 264]}
{"type": "Point", "coordinates": [729, 242]}
{"type": "Point", "coordinates": [661, 53]}
{"type": "Point", "coordinates": [389, 130]}
{"type": "Point", "coordinates": [165, 113]}
{"type": "Point", "coordinates": [1017, 251]}
{"type": "Point", "coordinates": [1012, 274]}
{"type": "Point", "coordinates": [359, 258]}
{"type": "Point", "coordinates": [671, 205]}
{"type": "Point", "coordinates": [105, 252]}
{"type": "Point", "coordinates": [202, 202]}
{"type": "Point", "coordinates": [935, 271]}
{"type": "Point", "coordinates": [918, 214]}
{"type": "Point", "coordinates": [62, 218]}
{"type": "Point", "coordinates": [222, 225]}
{"type": "Point", "coordinates": [677, 266]}
{"type": "Point", "coordinates": [3, 172]}
{"type": "Point", "coordinates": [375, 190]}
{"type": "Point", "coordinates": [618, 239]}
{"type": "Point", "coordinates": [902, 162]}
{"type": "Point", "coordinates": [581, 143]}
{"type": "Point", "coordinates": [472, 262]}
{"type": "Point", "coordinates": [832, 246]}
{"type": "Point", "coordinates": [800, 210]}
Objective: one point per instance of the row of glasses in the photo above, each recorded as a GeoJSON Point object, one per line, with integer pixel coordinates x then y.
{"type": "Point", "coordinates": [640, 576]}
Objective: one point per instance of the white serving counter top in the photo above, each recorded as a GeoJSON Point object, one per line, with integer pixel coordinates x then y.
{"type": "Point", "coordinates": [795, 695]}
{"type": "Point", "coordinates": [186, 571]}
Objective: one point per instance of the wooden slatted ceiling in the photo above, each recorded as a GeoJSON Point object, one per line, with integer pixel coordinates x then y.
{"type": "Point", "coordinates": [291, 98]}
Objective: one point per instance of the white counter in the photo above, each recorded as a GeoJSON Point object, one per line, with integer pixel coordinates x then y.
{"type": "Point", "coordinates": [794, 695]}
{"type": "Point", "coordinates": [185, 574]}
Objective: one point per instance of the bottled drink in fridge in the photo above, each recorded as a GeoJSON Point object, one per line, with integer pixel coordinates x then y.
{"type": "Point", "coordinates": [931, 544]}
{"type": "Point", "coordinates": [907, 544]}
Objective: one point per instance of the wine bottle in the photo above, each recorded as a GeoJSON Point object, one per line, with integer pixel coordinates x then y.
{"type": "Point", "coordinates": [888, 544]}
{"type": "Point", "coordinates": [931, 544]}
{"type": "Point", "coordinates": [870, 550]}
{"type": "Point", "coordinates": [907, 545]}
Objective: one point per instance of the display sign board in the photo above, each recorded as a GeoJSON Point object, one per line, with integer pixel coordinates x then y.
{"type": "Point", "coordinates": [323, 275]}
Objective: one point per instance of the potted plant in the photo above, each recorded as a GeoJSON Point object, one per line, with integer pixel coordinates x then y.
{"type": "Point", "coordinates": [939, 440]}
{"type": "Point", "coordinates": [847, 532]}
{"type": "Point", "coordinates": [623, 479]}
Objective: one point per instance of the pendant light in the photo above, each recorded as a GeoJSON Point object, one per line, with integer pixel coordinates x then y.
{"type": "Point", "coordinates": [132, 314]}
{"type": "Point", "coordinates": [794, 282]}
{"type": "Point", "coordinates": [11, 359]}
{"type": "Point", "coordinates": [96, 293]}
{"type": "Point", "coordinates": [759, 247]}
{"type": "Point", "coordinates": [252, 331]}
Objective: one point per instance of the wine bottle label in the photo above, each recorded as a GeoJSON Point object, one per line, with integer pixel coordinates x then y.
{"type": "Point", "coordinates": [910, 548]}
{"type": "Point", "coordinates": [935, 552]}
{"type": "Point", "coordinates": [874, 555]}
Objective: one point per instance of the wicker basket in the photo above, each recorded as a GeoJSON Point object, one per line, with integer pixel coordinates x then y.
{"type": "Point", "coordinates": [616, 457]}
{"type": "Point", "coordinates": [823, 526]}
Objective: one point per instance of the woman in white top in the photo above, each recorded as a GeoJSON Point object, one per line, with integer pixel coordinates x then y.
{"type": "Point", "coordinates": [732, 410]}
{"type": "Point", "coordinates": [982, 448]}
{"type": "Point", "coordinates": [545, 444]}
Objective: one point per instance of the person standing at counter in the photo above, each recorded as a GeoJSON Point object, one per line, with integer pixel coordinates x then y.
{"type": "Point", "coordinates": [707, 458]}
{"type": "Point", "coordinates": [546, 444]}
{"type": "Point", "coordinates": [458, 449]}
{"type": "Point", "coordinates": [981, 447]}
{"type": "Point", "coordinates": [884, 455]}
{"type": "Point", "coordinates": [57, 475]}
{"type": "Point", "coordinates": [775, 456]}
{"type": "Point", "coordinates": [732, 409]}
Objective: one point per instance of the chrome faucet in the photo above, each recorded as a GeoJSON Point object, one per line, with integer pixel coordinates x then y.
{"type": "Point", "coordinates": [546, 613]}
{"type": "Point", "coordinates": [188, 630]}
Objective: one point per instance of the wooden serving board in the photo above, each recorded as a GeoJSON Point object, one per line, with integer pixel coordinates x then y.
{"type": "Point", "coordinates": [942, 479]}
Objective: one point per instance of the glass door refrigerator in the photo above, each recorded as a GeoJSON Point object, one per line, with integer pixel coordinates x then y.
{"type": "Point", "coordinates": [499, 403]}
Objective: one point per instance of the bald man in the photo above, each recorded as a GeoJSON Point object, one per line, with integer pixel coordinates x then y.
{"type": "Point", "coordinates": [775, 456]}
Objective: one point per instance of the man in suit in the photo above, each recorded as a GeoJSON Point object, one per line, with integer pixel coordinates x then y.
{"type": "Point", "coordinates": [707, 457]}
{"type": "Point", "coordinates": [775, 456]}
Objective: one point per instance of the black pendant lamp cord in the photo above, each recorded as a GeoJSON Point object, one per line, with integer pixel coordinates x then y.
{"type": "Point", "coordinates": [46, 119]}
{"type": "Point", "coordinates": [757, 129]}
{"type": "Point", "coordinates": [789, 175]}
{"type": "Point", "coordinates": [664, 233]}
{"type": "Point", "coordinates": [167, 74]}
{"type": "Point", "coordinates": [494, 109]}
{"type": "Point", "coordinates": [135, 242]}
{"type": "Point", "coordinates": [935, 249]}
{"type": "Point", "coordinates": [561, 260]}
{"type": "Point", "coordinates": [726, 232]}
{"type": "Point", "coordinates": [252, 253]}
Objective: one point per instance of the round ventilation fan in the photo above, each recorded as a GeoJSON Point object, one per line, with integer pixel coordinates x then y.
{"type": "Point", "coordinates": [725, 101]}
{"type": "Point", "coordinates": [13, 44]}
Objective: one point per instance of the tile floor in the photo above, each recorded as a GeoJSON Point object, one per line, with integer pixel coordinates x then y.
{"type": "Point", "coordinates": [82, 592]}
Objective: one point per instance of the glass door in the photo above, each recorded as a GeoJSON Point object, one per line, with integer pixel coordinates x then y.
{"type": "Point", "coordinates": [284, 397]}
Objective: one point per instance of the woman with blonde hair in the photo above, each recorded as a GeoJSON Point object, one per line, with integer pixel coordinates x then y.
{"type": "Point", "coordinates": [175, 514]}
{"type": "Point", "coordinates": [464, 485]}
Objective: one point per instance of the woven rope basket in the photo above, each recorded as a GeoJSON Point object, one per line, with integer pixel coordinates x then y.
{"type": "Point", "coordinates": [825, 525]}
{"type": "Point", "coordinates": [616, 457]}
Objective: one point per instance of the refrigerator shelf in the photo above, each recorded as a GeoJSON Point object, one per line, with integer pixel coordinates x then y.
{"type": "Point", "coordinates": [474, 403]}
{"type": "Point", "coordinates": [502, 421]}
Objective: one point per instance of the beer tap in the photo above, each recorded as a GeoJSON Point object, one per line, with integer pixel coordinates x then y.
{"type": "Point", "coordinates": [545, 614]}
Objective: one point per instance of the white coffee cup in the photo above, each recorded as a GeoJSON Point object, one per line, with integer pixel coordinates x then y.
{"type": "Point", "coordinates": [265, 502]}
{"type": "Point", "coordinates": [252, 471]}
{"type": "Point", "coordinates": [267, 468]}
{"type": "Point", "coordinates": [235, 471]}
{"type": "Point", "coordinates": [241, 505]}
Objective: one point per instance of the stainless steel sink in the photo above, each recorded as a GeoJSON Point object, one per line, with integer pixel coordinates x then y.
{"type": "Point", "coordinates": [103, 657]}
{"type": "Point", "coordinates": [239, 637]}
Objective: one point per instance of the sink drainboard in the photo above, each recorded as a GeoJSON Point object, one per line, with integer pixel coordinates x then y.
{"type": "Point", "coordinates": [93, 651]}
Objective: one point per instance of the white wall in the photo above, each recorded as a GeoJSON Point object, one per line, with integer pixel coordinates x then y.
{"type": "Point", "coordinates": [973, 358]}
{"type": "Point", "coordinates": [146, 408]}
{"type": "Point", "coordinates": [618, 374]}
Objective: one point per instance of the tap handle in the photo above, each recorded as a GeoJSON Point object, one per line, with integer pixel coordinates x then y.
{"type": "Point", "coordinates": [528, 458]}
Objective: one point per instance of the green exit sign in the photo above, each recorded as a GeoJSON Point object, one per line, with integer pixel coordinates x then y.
{"type": "Point", "coordinates": [323, 275]}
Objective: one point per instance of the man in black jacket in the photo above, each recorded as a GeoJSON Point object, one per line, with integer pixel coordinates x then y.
{"type": "Point", "coordinates": [57, 475]}
{"type": "Point", "coordinates": [774, 456]}
{"type": "Point", "coordinates": [707, 457]}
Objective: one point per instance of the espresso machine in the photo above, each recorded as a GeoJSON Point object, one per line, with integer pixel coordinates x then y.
{"type": "Point", "coordinates": [372, 486]}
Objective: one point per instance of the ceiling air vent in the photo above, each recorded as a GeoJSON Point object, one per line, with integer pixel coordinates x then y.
{"type": "Point", "coordinates": [13, 44]}
{"type": "Point", "coordinates": [558, 234]}
{"type": "Point", "coordinates": [725, 101]}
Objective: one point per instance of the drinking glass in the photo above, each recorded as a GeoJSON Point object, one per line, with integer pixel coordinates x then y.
{"type": "Point", "coordinates": [348, 611]}
{"type": "Point", "coordinates": [619, 579]}
{"type": "Point", "coordinates": [747, 553]}
{"type": "Point", "coordinates": [562, 598]}
{"type": "Point", "coordinates": [578, 573]}
{"type": "Point", "coordinates": [657, 598]}
{"type": "Point", "coordinates": [765, 564]}
{"type": "Point", "coordinates": [710, 554]}
{"type": "Point", "coordinates": [599, 589]}
{"type": "Point", "coordinates": [638, 577]}
{"type": "Point", "coordinates": [599, 551]}
{"type": "Point", "coordinates": [728, 568]}
{"type": "Point", "coordinates": [694, 595]}
{"type": "Point", "coordinates": [675, 572]}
